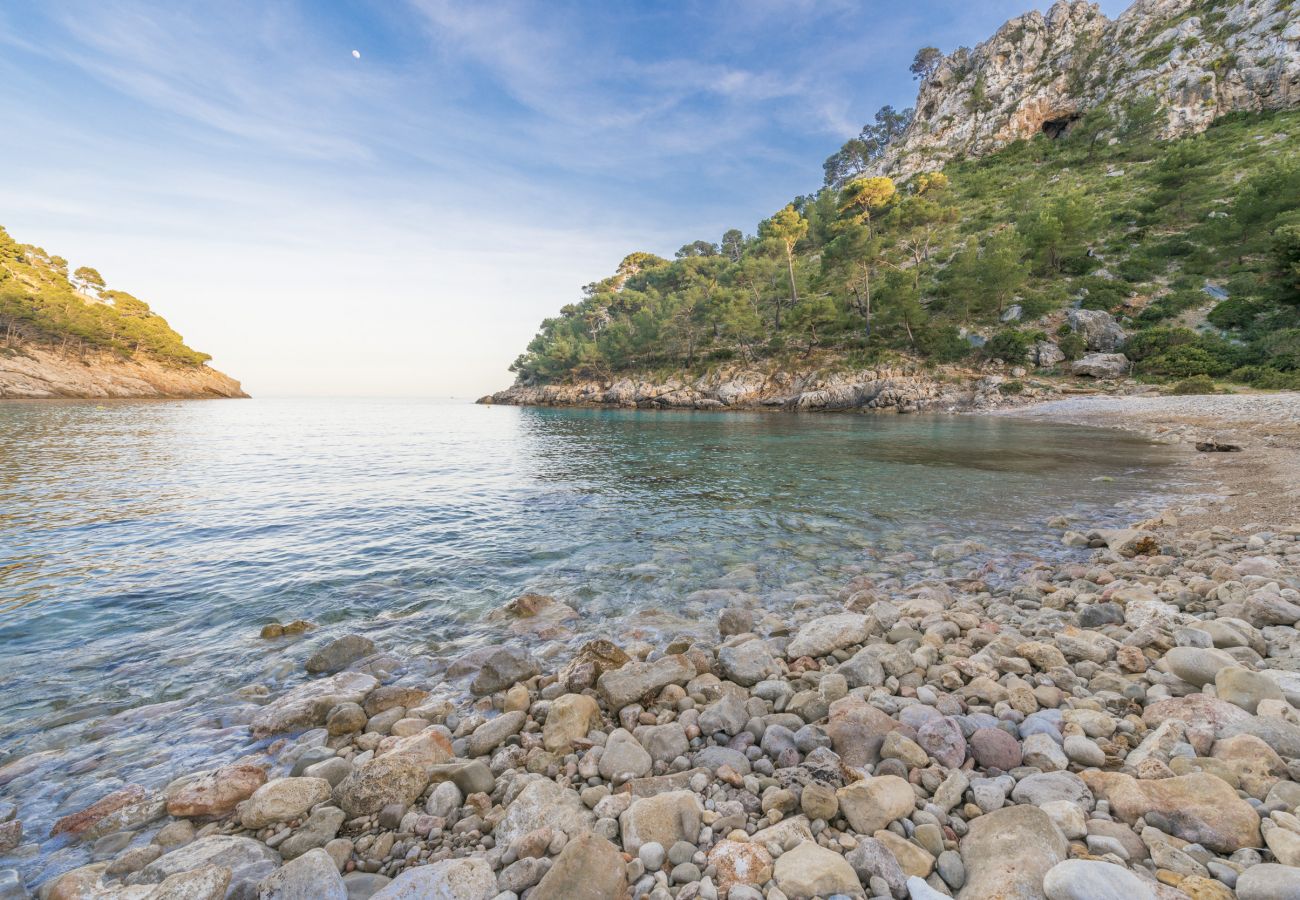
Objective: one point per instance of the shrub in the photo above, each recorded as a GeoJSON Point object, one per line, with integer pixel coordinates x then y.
{"type": "Point", "coordinates": [1170, 305]}
{"type": "Point", "coordinates": [1235, 312]}
{"type": "Point", "coordinates": [1136, 269]}
{"type": "Point", "coordinates": [1011, 345]}
{"type": "Point", "coordinates": [1155, 341]}
{"type": "Point", "coordinates": [943, 344]}
{"type": "Point", "coordinates": [1197, 384]}
{"type": "Point", "coordinates": [1011, 387]}
{"type": "Point", "coordinates": [1185, 360]}
{"type": "Point", "coordinates": [1266, 378]}
{"type": "Point", "coordinates": [1072, 345]}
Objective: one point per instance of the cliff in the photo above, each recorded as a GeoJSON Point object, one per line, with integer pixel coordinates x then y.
{"type": "Point", "coordinates": [1196, 60]}
{"type": "Point", "coordinates": [41, 373]}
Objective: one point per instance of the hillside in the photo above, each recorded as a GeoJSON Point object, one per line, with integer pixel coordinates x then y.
{"type": "Point", "coordinates": [1115, 244]}
{"type": "Point", "coordinates": [68, 335]}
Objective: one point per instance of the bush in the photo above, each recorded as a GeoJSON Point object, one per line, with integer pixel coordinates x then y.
{"type": "Point", "coordinates": [1155, 341]}
{"type": "Point", "coordinates": [1170, 305]}
{"type": "Point", "coordinates": [1266, 379]}
{"type": "Point", "coordinates": [1072, 345]}
{"type": "Point", "coordinates": [1235, 312]}
{"type": "Point", "coordinates": [1136, 269]}
{"type": "Point", "coordinates": [943, 344]}
{"type": "Point", "coordinates": [1185, 360]}
{"type": "Point", "coordinates": [1010, 345]}
{"type": "Point", "coordinates": [1011, 387]}
{"type": "Point", "coordinates": [1197, 384]}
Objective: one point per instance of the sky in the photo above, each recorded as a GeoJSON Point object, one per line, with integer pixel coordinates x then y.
{"type": "Point", "coordinates": [398, 224]}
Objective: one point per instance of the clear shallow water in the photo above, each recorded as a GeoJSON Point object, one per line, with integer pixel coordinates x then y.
{"type": "Point", "coordinates": [143, 545]}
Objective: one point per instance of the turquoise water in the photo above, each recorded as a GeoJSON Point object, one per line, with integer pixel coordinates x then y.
{"type": "Point", "coordinates": [142, 545]}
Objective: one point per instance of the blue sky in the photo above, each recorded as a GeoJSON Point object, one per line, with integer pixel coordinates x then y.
{"type": "Point", "coordinates": [400, 223]}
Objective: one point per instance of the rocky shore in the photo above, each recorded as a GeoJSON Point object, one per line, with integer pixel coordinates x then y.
{"type": "Point", "coordinates": [39, 373]}
{"type": "Point", "coordinates": [822, 385]}
{"type": "Point", "coordinates": [1121, 723]}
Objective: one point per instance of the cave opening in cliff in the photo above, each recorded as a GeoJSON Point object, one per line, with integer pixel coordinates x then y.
{"type": "Point", "coordinates": [1059, 127]}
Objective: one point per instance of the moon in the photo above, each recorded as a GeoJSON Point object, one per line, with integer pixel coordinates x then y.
{"type": "Point", "coordinates": [356, 54]}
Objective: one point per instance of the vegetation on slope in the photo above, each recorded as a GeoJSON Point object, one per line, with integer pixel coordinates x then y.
{"type": "Point", "coordinates": [1193, 245]}
{"type": "Point", "coordinates": [40, 302]}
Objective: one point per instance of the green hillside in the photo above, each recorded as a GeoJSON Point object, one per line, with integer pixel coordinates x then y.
{"type": "Point", "coordinates": [41, 303]}
{"type": "Point", "coordinates": [1193, 245]}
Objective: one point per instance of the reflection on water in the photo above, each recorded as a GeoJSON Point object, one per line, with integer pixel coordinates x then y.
{"type": "Point", "coordinates": [143, 544]}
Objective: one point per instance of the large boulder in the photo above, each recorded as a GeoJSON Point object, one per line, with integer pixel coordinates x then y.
{"type": "Point", "coordinates": [870, 804]}
{"type": "Point", "coordinates": [810, 870]}
{"type": "Point", "coordinates": [121, 810]}
{"type": "Point", "coordinates": [502, 668]}
{"type": "Point", "coordinates": [391, 778]}
{"type": "Point", "coordinates": [828, 634]}
{"type": "Point", "coordinates": [340, 653]}
{"type": "Point", "coordinates": [588, 868]}
{"type": "Point", "coordinates": [1008, 852]}
{"type": "Point", "coordinates": [740, 862]}
{"type": "Point", "coordinates": [857, 730]}
{"type": "Point", "coordinates": [1083, 879]}
{"type": "Point", "coordinates": [1101, 365]}
{"type": "Point", "coordinates": [312, 876]}
{"type": "Point", "coordinates": [1269, 881]}
{"type": "Point", "coordinates": [307, 705]}
{"type": "Point", "coordinates": [664, 819]}
{"type": "Point", "coordinates": [634, 680]}
{"type": "Point", "coordinates": [543, 803]}
{"type": "Point", "coordinates": [1097, 327]}
{"type": "Point", "coordinates": [283, 799]}
{"type": "Point", "coordinates": [747, 663]}
{"type": "Point", "coordinates": [469, 878]}
{"type": "Point", "coordinates": [1199, 807]}
{"type": "Point", "coordinates": [249, 862]}
{"type": "Point", "coordinates": [216, 793]}
{"type": "Point", "coordinates": [570, 718]}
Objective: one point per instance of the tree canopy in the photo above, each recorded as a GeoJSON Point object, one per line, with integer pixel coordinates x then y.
{"type": "Point", "coordinates": [40, 303]}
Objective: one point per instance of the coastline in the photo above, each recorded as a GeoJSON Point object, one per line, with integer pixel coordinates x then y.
{"type": "Point", "coordinates": [834, 677]}
{"type": "Point", "coordinates": [37, 373]}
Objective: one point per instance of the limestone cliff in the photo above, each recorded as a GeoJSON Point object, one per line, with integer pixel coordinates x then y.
{"type": "Point", "coordinates": [34, 372]}
{"type": "Point", "coordinates": [1040, 73]}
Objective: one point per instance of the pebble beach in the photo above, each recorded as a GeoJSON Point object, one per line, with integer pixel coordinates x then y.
{"type": "Point", "coordinates": [1122, 721]}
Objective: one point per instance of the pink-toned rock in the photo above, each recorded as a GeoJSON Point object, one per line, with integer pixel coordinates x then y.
{"type": "Point", "coordinates": [994, 748]}
{"type": "Point", "coordinates": [216, 793]}
{"type": "Point", "coordinates": [1199, 807]}
{"type": "Point", "coordinates": [740, 862]}
{"type": "Point", "coordinates": [130, 806]}
{"type": "Point", "coordinates": [1195, 709]}
{"type": "Point", "coordinates": [857, 730]}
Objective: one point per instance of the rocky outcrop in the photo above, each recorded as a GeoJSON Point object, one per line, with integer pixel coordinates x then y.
{"type": "Point", "coordinates": [34, 372]}
{"type": "Point", "coordinates": [1040, 73]}
{"type": "Point", "coordinates": [903, 389]}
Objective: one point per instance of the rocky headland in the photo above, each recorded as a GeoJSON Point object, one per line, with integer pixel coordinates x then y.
{"type": "Point", "coordinates": [35, 372]}
{"type": "Point", "coordinates": [823, 383]}
{"type": "Point", "coordinates": [1121, 719]}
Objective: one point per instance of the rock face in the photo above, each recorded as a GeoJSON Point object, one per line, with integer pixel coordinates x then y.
{"type": "Point", "coordinates": [904, 389]}
{"type": "Point", "coordinates": [41, 374]}
{"type": "Point", "coordinates": [1040, 73]}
